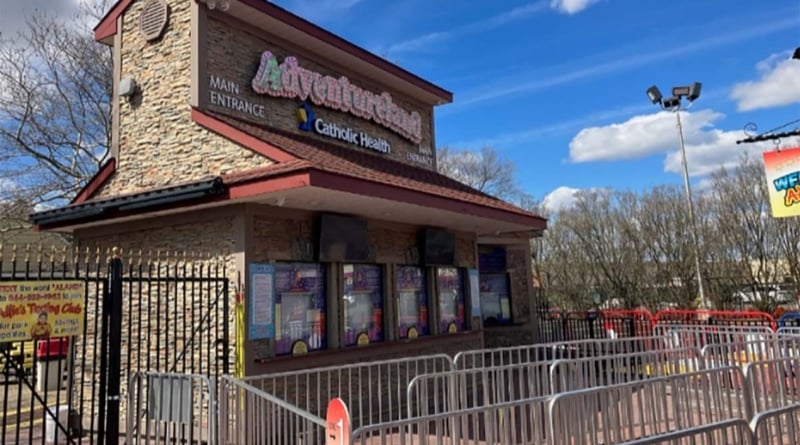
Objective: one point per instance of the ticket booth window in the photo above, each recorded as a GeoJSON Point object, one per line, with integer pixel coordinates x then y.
{"type": "Point", "coordinates": [299, 308]}
{"type": "Point", "coordinates": [450, 288]}
{"type": "Point", "coordinates": [495, 299]}
{"type": "Point", "coordinates": [412, 302]}
{"type": "Point", "coordinates": [362, 303]}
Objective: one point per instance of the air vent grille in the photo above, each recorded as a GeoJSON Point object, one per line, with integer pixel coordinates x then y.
{"type": "Point", "coordinates": [153, 20]}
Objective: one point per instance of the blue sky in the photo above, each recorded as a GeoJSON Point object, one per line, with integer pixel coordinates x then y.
{"type": "Point", "coordinates": [558, 86]}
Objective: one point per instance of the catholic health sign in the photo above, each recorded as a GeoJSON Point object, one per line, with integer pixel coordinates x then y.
{"type": "Point", "coordinates": [41, 309]}
{"type": "Point", "coordinates": [783, 180]}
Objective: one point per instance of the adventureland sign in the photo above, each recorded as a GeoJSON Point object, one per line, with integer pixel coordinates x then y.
{"type": "Point", "coordinates": [290, 80]}
{"type": "Point", "coordinates": [41, 309]}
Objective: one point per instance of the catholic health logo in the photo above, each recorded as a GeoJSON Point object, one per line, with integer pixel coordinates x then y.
{"type": "Point", "coordinates": [307, 121]}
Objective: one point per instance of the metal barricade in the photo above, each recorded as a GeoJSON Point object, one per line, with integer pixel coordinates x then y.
{"type": "Point", "coordinates": [728, 432]}
{"type": "Point", "coordinates": [248, 415]}
{"type": "Point", "coordinates": [481, 358]}
{"type": "Point", "coordinates": [699, 336]}
{"type": "Point", "coordinates": [375, 391]}
{"type": "Point", "coordinates": [630, 411]}
{"type": "Point", "coordinates": [740, 353]}
{"type": "Point", "coordinates": [513, 423]}
{"type": "Point", "coordinates": [773, 383]}
{"type": "Point", "coordinates": [576, 374]}
{"type": "Point", "coordinates": [438, 393]}
{"type": "Point", "coordinates": [777, 427]}
{"type": "Point", "coordinates": [170, 408]}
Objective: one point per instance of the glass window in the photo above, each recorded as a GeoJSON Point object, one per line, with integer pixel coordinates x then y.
{"type": "Point", "coordinates": [299, 308]}
{"type": "Point", "coordinates": [412, 302]}
{"type": "Point", "coordinates": [495, 299]}
{"type": "Point", "coordinates": [363, 304]}
{"type": "Point", "coordinates": [451, 300]}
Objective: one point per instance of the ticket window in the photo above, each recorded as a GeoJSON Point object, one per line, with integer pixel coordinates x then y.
{"type": "Point", "coordinates": [450, 288]}
{"type": "Point", "coordinates": [362, 304]}
{"type": "Point", "coordinates": [412, 302]}
{"type": "Point", "coordinates": [300, 305]}
{"type": "Point", "coordinates": [495, 299]}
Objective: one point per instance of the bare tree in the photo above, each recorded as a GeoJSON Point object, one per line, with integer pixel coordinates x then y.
{"type": "Point", "coordinates": [485, 170]}
{"type": "Point", "coordinates": [55, 104]}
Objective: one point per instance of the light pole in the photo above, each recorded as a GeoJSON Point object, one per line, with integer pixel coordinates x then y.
{"type": "Point", "coordinates": [691, 93]}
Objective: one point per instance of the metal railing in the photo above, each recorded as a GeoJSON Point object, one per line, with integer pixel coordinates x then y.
{"type": "Point", "coordinates": [777, 427]}
{"type": "Point", "coordinates": [728, 432]}
{"type": "Point", "coordinates": [248, 415]}
{"type": "Point", "coordinates": [171, 408]}
{"type": "Point", "coordinates": [630, 411]}
{"type": "Point", "coordinates": [511, 423]}
{"type": "Point", "coordinates": [773, 383]}
{"type": "Point", "coordinates": [375, 392]}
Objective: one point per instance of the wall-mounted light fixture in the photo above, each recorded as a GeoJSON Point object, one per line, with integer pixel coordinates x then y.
{"type": "Point", "coordinates": [223, 5]}
{"type": "Point", "coordinates": [127, 87]}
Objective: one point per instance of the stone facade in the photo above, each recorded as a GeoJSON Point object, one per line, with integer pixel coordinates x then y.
{"type": "Point", "coordinates": [173, 295]}
{"type": "Point", "coordinates": [232, 60]}
{"type": "Point", "coordinates": [159, 143]}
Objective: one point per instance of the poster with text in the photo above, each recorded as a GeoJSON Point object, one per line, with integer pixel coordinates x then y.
{"type": "Point", "coordinates": [262, 301]}
{"type": "Point", "coordinates": [41, 309]}
{"type": "Point", "coordinates": [412, 302]}
{"type": "Point", "coordinates": [451, 300]}
{"type": "Point", "coordinates": [299, 307]}
{"type": "Point", "coordinates": [363, 304]}
{"type": "Point", "coordinates": [783, 181]}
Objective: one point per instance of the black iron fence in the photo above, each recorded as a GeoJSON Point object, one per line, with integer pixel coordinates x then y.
{"type": "Point", "coordinates": [76, 326]}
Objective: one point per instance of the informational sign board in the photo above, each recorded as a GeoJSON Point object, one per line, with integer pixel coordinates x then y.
{"type": "Point", "coordinates": [475, 292]}
{"type": "Point", "coordinates": [262, 301]}
{"type": "Point", "coordinates": [338, 430]}
{"type": "Point", "coordinates": [41, 309]}
{"type": "Point", "coordinates": [782, 170]}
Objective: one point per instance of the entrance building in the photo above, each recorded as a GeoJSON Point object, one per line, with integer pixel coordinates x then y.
{"type": "Point", "coordinates": [307, 167]}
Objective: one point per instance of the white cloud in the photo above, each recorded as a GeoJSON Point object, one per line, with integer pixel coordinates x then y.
{"type": "Point", "coordinates": [561, 198]}
{"type": "Point", "coordinates": [426, 40]}
{"type": "Point", "coordinates": [707, 147]}
{"type": "Point", "coordinates": [513, 86]}
{"type": "Point", "coordinates": [639, 136]}
{"type": "Point", "coordinates": [778, 84]}
{"type": "Point", "coordinates": [571, 6]}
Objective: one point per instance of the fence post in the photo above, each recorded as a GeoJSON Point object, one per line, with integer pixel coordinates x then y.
{"type": "Point", "coordinates": [115, 350]}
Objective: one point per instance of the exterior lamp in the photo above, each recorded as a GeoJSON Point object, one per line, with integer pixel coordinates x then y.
{"type": "Point", "coordinates": [691, 93]}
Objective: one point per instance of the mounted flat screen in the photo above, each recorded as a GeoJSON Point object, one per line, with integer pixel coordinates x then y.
{"type": "Point", "coordinates": [438, 247]}
{"type": "Point", "coordinates": [343, 238]}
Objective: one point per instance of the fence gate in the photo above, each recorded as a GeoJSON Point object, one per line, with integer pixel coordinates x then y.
{"type": "Point", "coordinates": [74, 328]}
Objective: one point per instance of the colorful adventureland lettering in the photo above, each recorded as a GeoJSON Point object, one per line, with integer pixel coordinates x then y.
{"type": "Point", "coordinates": [783, 178]}
{"type": "Point", "coordinates": [290, 80]}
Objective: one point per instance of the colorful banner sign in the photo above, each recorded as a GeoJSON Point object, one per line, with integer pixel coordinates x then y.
{"type": "Point", "coordinates": [783, 181]}
{"type": "Point", "coordinates": [41, 309]}
{"type": "Point", "coordinates": [262, 301]}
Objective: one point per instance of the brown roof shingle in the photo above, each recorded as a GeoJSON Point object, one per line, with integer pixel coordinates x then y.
{"type": "Point", "coordinates": [357, 164]}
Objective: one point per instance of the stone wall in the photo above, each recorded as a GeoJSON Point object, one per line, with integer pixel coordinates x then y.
{"type": "Point", "coordinates": [159, 144]}
{"type": "Point", "coordinates": [234, 51]}
{"type": "Point", "coordinates": [174, 295]}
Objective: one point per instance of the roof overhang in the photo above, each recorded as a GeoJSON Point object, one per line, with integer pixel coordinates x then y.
{"type": "Point", "coordinates": [306, 189]}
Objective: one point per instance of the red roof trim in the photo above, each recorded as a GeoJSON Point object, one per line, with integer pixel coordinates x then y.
{"type": "Point", "coordinates": [269, 185]}
{"type": "Point", "coordinates": [217, 126]}
{"type": "Point", "coordinates": [97, 181]}
{"type": "Point", "coordinates": [346, 46]}
{"type": "Point", "coordinates": [347, 184]}
{"type": "Point", "coordinates": [108, 24]}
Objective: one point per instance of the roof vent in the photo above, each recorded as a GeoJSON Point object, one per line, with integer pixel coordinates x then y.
{"type": "Point", "coordinates": [153, 20]}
